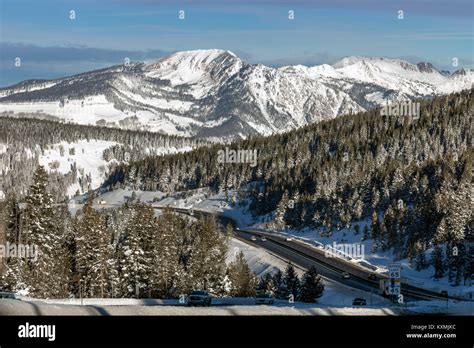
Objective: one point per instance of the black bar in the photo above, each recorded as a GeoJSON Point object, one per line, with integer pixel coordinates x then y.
{"type": "Point", "coordinates": [243, 331]}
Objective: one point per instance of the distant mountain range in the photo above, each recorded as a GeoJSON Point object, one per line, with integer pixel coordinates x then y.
{"type": "Point", "coordinates": [214, 94]}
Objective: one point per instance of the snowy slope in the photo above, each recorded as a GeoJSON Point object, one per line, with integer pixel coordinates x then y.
{"type": "Point", "coordinates": [87, 157]}
{"type": "Point", "coordinates": [213, 93]}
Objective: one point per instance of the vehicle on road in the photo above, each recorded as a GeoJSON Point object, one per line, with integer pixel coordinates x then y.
{"type": "Point", "coordinates": [264, 298]}
{"type": "Point", "coordinates": [253, 238]}
{"type": "Point", "coordinates": [345, 275]}
{"type": "Point", "coordinates": [372, 277]}
{"type": "Point", "coordinates": [199, 298]}
{"type": "Point", "coordinates": [263, 239]}
{"type": "Point", "coordinates": [289, 239]}
{"type": "Point", "coordinates": [237, 228]}
{"type": "Point", "coordinates": [359, 301]}
{"type": "Point", "coordinates": [8, 295]}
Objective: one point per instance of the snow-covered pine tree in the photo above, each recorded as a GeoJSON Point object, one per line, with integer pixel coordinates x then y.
{"type": "Point", "coordinates": [167, 270]}
{"type": "Point", "coordinates": [94, 253]}
{"type": "Point", "coordinates": [207, 258]}
{"type": "Point", "coordinates": [44, 229]}
{"type": "Point", "coordinates": [281, 211]}
{"type": "Point", "coordinates": [277, 286]}
{"type": "Point", "coordinates": [265, 283]}
{"type": "Point", "coordinates": [242, 278]}
{"type": "Point", "coordinates": [312, 286]}
{"type": "Point", "coordinates": [437, 261]}
{"type": "Point", "coordinates": [135, 257]}
{"type": "Point", "coordinates": [291, 282]}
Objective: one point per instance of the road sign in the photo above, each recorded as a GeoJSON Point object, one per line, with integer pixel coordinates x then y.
{"type": "Point", "coordinates": [394, 285]}
{"type": "Point", "coordinates": [394, 271]}
{"type": "Point", "coordinates": [393, 289]}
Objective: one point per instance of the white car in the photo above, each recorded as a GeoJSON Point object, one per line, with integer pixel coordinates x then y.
{"type": "Point", "coordinates": [253, 238]}
{"type": "Point", "coordinates": [289, 239]}
{"type": "Point", "coordinates": [263, 239]}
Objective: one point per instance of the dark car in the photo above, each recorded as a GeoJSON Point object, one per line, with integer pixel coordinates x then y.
{"type": "Point", "coordinates": [8, 295]}
{"type": "Point", "coordinates": [372, 276]}
{"type": "Point", "coordinates": [359, 302]}
{"type": "Point", "coordinates": [199, 298]}
{"type": "Point", "coordinates": [264, 298]}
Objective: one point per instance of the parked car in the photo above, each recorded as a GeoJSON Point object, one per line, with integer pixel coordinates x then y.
{"type": "Point", "coordinates": [345, 275]}
{"type": "Point", "coordinates": [264, 298]}
{"type": "Point", "coordinates": [8, 295]}
{"type": "Point", "coordinates": [359, 301]}
{"type": "Point", "coordinates": [289, 239]}
{"type": "Point", "coordinates": [263, 239]}
{"type": "Point", "coordinates": [199, 298]}
{"type": "Point", "coordinates": [372, 276]}
{"type": "Point", "coordinates": [253, 238]}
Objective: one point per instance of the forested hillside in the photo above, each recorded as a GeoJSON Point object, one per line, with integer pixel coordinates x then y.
{"type": "Point", "coordinates": [127, 252]}
{"type": "Point", "coordinates": [25, 140]}
{"type": "Point", "coordinates": [411, 177]}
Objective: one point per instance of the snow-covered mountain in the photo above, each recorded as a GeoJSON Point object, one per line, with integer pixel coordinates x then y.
{"type": "Point", "coordinates": [213, 93]}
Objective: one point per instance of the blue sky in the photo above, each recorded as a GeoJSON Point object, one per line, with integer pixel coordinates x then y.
{"type": "Point", "coordinates": [52, 45]}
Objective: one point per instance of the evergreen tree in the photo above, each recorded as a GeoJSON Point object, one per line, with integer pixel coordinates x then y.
{"type": "Point", "coordinates": [291, 282]}
{"type": "Point", "coordinates": [312, 286]}
{"type": "Point", "coordinates": [277, 286]}
{"type": "Point", "coordinates": [243, 280]}
{"type": "Point", "coordinates": [365, 233]}
{"type": "Point", "coordinates": [265, 283]}
{"type": "Point", "coordinates": [94, 259]}
{"type": "Point", "coordinates": [437, 261]}
{"type": "Point", "coordinates": [44, 229]}
{"type": "Point", "coordinates": [134, 257]}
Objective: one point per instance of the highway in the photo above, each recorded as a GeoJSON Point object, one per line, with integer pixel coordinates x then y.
{"type": "Point", "coordinates": [305, 256]}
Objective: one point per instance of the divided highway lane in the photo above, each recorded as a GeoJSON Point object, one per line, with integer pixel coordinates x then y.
{"type": "Point", "coordinates": [305, 256]}
{"type": "Point", "coordinates": [303, 260]}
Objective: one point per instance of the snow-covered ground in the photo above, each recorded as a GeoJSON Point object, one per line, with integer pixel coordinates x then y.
{"type": "Point", "coordinates": [87, 155]}
{"type": "Point", "coordinates": [379, 261]}
{"type": "Point", "coordinates": [114, 199]}
{"type": "Point", "coordinates": [239, 306]}
{"type": "Point", "coordinates": [220, 306]}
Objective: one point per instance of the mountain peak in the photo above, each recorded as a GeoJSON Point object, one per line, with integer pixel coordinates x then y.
{"type": "Point", "coordinates": [426, 67]}
{"type": "Point", "coordinates": [196, 66]}
{"type": "Point", "coordinates": [200, 56]}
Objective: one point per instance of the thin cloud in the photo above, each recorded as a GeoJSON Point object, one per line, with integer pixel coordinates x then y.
{"type": "Point", "coordinates": [72, 53]}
